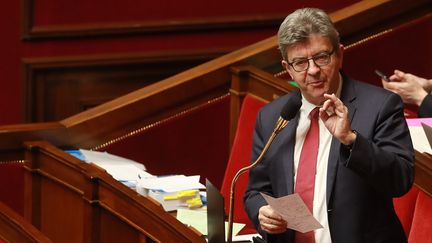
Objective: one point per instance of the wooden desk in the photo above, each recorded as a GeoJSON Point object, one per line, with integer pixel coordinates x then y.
{"type": "Point", "coordinates": [72, 201]}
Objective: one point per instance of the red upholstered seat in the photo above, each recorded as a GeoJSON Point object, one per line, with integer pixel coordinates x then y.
{"type": "Point", "coordinates": [239, 158]}
{"type": "Point", "coordinates": [404, 207]}
{"type": "Point", "coordinates": [421, 227]}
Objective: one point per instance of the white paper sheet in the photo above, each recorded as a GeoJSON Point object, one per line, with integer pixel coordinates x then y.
{"type": "Point", "coordinates": [171, 183]}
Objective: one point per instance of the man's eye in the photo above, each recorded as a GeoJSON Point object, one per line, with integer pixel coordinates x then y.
{"type": "Point", "coordinates": [300, 62]}
{"type": "Point", "coordinates": [321, 57]}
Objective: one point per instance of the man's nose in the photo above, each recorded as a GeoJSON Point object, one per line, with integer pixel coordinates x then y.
{"type": "Point", "coordinates": [313, 68]}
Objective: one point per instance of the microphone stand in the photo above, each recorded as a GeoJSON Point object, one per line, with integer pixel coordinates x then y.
{"type": "Point", "coordinates": [281, 124]}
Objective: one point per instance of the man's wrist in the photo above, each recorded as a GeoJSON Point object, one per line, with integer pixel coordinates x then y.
{"type": "Point", "coordinates": [351, 139]}
{"type": "Point", "coordinates": [421, 97]}
{"type": "Point", "coordinates": [428, 85]}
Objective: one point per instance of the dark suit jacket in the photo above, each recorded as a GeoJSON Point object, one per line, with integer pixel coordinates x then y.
{"type": "Point", "coordinates": [360, 183]}
{"type": "Point", "coordinates": [425, 109]}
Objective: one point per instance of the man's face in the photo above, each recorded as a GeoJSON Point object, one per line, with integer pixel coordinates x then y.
{"type": "Point", "coordinates": [315, 81]}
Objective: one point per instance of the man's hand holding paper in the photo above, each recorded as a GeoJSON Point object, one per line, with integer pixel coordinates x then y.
{"type": "Point", "coordinates": [286, 212]}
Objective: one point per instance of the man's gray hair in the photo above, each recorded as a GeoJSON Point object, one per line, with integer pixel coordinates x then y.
{"type": "Point", "coordinates": [301, 24]}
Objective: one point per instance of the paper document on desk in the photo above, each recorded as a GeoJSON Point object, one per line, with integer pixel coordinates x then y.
{"type": "Point", "coordinates": [125, 172]}
{"type": "Point", "coordinates": [120, 168]}
{"type": "Point", "coordinates": [105, 158]}
{"type": "Point", "coordinates": [172, 183]}
{"type": "Point", "coordinates": [294, 211]}
{"type": "Point", "coordinates": [418, 134]}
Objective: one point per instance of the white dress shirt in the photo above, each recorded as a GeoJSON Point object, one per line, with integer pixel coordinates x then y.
{"type": "Point", "coordinates": [319, 201]}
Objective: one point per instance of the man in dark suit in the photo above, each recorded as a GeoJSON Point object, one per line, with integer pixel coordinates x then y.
{"type": "Point", "coordinates": [365, 156]}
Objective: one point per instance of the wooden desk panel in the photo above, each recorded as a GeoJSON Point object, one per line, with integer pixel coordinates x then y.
{"type": "Point", "coordinates": [14, 228]}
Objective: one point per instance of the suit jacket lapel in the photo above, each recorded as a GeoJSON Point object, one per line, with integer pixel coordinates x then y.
{"type": "Point", "coordinates": [347, 97]}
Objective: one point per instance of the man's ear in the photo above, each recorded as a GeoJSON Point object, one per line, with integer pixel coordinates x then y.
{"type": "Point", "coordinates": [341, 51]}
{"type": "Point", "coordinates": [286, 67]}
{"type": "Point", "coordinates": [284, 64]}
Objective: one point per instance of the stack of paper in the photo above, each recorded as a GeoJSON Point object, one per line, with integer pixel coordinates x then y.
{"type": "Point", "coordinates": [171, 201]}
{"type": "Point", "coordinates": [124, 170]}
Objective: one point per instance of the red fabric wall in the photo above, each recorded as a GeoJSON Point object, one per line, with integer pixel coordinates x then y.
{"type": "Point", "coordinates": [195, 143]}
{"type": "Point", "coordinates": [12, 186]}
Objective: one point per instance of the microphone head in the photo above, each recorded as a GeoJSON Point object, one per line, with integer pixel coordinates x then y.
{"type": "Point", "coordinates": [291, 108]}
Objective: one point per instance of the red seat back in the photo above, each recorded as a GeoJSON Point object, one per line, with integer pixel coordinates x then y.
{"type": "Point", "coordinates": [421, 227]}
{"type": "Point", "coordinates": [404, 207]}
{"type": "Point", "coordinates": [239, 158]}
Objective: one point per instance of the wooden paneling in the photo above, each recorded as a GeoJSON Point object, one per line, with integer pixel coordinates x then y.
{"type": "Point", "coordinates": [14, 228]}
{"type": "Point", "coordinates": [56, 88]}
{"type": "Point", "coordinates": [46, 19]}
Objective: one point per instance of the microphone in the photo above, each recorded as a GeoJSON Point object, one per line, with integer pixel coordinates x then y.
{"type": "Point", "coordinates": [288, 112]}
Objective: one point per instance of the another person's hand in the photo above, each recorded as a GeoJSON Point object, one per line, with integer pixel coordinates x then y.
{"type": "Point", "coordinates": [335, 116]}
{"type": "Point", "coordinates": [270, 221]}
{"type": "Point", "coordinates": [412, 89]}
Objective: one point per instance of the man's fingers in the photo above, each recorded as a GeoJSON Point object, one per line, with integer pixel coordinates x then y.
{"type": "Point", "coordinates": [341, 109]}
{"type": "Point", "coordinates": [332, 100]}
{"type": "Point", "coordinates": [323, 114]}
{"type": "Point", "coordinates": [273, 226]}
{"type": "Point", "coordinates": [327, 104]}
{"type": "Point", "coordinates": [271, 221]}
{"type": "Point", "coordinates": [272, 229]}
{"type": "Point", "coordinates": [334, 104]}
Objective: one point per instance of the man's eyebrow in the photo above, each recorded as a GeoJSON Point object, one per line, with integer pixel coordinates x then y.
{"type": "Point", "coordinates": [318, 53]}
{"type": "Point", "coordinates": [299, 59]}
